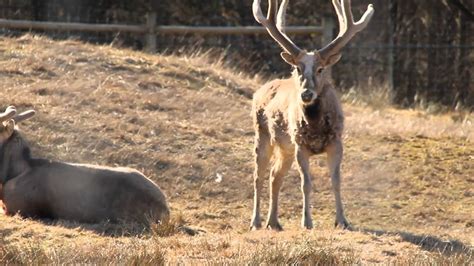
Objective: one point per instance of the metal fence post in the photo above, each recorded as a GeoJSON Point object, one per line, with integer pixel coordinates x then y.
{"type": "Point", "coordinates": [150, 45]}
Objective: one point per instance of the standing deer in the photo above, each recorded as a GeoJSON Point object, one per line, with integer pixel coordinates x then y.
{"type": "Point", "coordinates": [300, 116]}
{"type": "Point", "coordinates": [42, 188]}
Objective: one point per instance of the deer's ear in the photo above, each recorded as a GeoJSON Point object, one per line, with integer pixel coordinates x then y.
{"type": "Point", "coordinates": [8, 128]}
{"type": "Point", "coordinates": [332, 59]}
{"type": "Point", "coordinates": [288, 58]}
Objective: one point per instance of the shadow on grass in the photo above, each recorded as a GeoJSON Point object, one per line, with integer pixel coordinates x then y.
{"type": "Point", "coordinates": [4, 233]}
{"type": "Point", "coordinates": [127, 229]}
{"type": "Point", "coordinates": [103, 228]}
{"type": "Point", "coordinates": [426, 242]}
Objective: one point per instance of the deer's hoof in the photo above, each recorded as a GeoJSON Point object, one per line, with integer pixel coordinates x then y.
{"type": "Point", "coordinates": [275, 226]}
{"type": "Point", "coordinates": [256, 223]}
{"type": "Point", "coordinates": [307, 224]}
{"type": "Point", "coordinates": [343, 224]}
{"type": "Point", "coordinates": [255, 228]}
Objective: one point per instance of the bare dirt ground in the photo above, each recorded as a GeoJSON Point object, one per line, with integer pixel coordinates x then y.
{"type": "Point", "coordinates": [408, 177]}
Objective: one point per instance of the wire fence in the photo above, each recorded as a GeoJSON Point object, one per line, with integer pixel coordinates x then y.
{"type": "Point", "coordinates": [429, 57]}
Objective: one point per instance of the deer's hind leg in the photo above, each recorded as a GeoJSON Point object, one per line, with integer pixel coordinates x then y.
{"type": "Point", "coordinates": [263, 153]}
{"type": "Point", "coordinates": [282, 164]}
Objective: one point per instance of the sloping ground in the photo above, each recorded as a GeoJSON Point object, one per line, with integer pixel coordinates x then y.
{"type": "Point", "coordinates": [408, 181]}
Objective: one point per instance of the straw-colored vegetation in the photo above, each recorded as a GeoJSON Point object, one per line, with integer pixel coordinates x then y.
{"type": "Point", "coordinates": [408, 177]}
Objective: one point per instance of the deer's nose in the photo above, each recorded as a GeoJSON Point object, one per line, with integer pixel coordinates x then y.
{"type": "Point", "coordinates": [306, 96]}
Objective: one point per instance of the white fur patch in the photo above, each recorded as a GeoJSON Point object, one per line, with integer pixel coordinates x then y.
{"type": "Point", "coordinates": [308, 61]}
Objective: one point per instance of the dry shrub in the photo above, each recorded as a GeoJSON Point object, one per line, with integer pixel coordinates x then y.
{"type": "Point", "coordinates": [29, 254]}
{"type": "Point", "coordinates": [37, 253]}
{"type": "Point", "coordinates": [377, 96]}
{"type": "Point", "coordinates": [169, 227]}
{"type": "Point", "coordinates": [437, 259]}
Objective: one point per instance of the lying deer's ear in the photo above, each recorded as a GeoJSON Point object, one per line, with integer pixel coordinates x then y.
{"type": "Point", "coordinates": [8, 128]}
{"type": "Point", "coordinates": [332, 59]}
{"type": "Point", "coordinates": [288, 58]}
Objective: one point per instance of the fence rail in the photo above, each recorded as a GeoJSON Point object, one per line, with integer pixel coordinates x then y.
{"type": "Point", "coordinates": [150, 29]}
{"type": "Point", "coordinates": [66, 26]}
{"type": "Point", "coordinates": [223, 30]}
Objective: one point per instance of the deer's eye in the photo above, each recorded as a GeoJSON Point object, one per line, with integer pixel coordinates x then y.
{"type": "Point", "coordinates": [320, 70]}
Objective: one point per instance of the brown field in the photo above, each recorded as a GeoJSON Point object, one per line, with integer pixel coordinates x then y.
{"type": "Point", "coordinates": [408, 176]}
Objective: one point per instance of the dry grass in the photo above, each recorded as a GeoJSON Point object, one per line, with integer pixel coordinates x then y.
{"type": "Point", "coordinates": [183, 121]}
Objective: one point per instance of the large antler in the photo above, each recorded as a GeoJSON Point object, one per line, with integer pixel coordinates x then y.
{"type": "Point", "coordinates": [23, 116]}
{"type": "Point", "coordinates": [270, 24]}
{"type": "Point", "coordinates": [281, 16]}
{"type": "Point", "coordinates": [9, 113]}
{"type": "Point", "coordinates": [347, 27]}
{"type": "Point", "coordinates": [10, 116]}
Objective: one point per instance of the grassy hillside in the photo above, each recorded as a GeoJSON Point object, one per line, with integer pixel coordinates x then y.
{"type": "Point", "coordinates": [408, 177]}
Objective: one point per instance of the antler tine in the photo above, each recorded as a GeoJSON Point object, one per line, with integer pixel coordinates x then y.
{"type": "Point", "coordinates": [340, 16]}
{"type": "Point", "coordinates": [281, 16]}
{"type": "Point", "coordinates": [349, 30]}
{"type": "Point", "coordinates": [9, 113]}
{"type": "Point", "coordinates": [365, 19]}
{"type": "Point", "coordinates": [347, 11]}
{"type": "Point", "coordinates": [270, 24]}
{"type": "Point", "coordinates": [23, 116]}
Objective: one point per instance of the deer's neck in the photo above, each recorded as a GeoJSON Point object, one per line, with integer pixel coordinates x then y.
{"type": "Point", "coordinates": [313, 111]}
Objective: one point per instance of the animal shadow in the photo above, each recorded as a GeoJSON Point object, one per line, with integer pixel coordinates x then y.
{"type": "Point", "coordinates": [105, 228]}
{"type": "Point", "coordinates": [126, 229]}
{"type": "Point", "coordinates": [426, 242]}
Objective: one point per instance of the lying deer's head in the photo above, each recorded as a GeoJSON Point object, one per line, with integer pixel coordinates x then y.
{"type": "Point", "coordinates": [12, 145]}
{"type": "Point", "coordinates": [310, 66]}
{"type": "Point", "coordinates": [8, 120]}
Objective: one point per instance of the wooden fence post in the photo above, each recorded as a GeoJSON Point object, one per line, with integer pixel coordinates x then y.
{"type": "Point", "coordinates": [150, 45]}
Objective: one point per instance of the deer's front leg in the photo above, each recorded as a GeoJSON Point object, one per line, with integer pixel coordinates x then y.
{"type": "Point", "coordinates": [302, 158]}
{"type": "Point", "coordinates": [334, 157]}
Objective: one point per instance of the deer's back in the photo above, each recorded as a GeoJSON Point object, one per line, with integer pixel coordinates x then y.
{"type": "Point", "coordinates": [84, 193]}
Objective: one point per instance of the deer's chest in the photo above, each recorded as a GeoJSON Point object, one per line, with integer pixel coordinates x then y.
{"type": "Point", "coordinates": [317, 131]}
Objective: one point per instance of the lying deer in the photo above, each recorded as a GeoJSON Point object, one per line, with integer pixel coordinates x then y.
{"type": "Point", "coordinates": [85, 193]}
{"type": "Point", "coordinates": [301, 116]}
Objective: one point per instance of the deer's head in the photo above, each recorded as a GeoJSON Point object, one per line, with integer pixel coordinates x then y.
{"type": "Point", "coordinates": [310, 66]}
{"type": "Point", "coordinates": [12, 145]}
{"type": "Point", "coordinates": [8, 120]}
